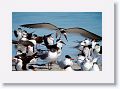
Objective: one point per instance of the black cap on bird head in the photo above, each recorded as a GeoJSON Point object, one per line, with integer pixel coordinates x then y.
{"type": "Point", "coordinates": [31, 67]}
{"type": "Point", "coordinates": [19, 29]}
{"type": "Point", "coordinates": [67, 56]}
{"type": "Point", "coordinates": [35, 35]}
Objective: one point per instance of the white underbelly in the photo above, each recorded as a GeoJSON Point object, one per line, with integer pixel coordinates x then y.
{"type": "Point", "coordinates": [69, 69]}
{"type": "Point", "coordinates": [87, 66]}
{"type": "Point", "coordinates": [52, 56]}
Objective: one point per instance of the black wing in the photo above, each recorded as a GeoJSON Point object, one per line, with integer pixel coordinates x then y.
{"type": "Point", "coordinates": [40, 25]}
{"type": "Point", "coordinates": [26, 43]}
{"type": "Point", "coordinates": [84, 33]}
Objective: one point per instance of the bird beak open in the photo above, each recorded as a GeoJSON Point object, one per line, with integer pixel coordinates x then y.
{"type": "Point", "coordinates": [65, 35]}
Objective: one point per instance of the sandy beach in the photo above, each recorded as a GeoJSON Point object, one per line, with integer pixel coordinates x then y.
{"type": "Point", "coordinates": [55, 67]}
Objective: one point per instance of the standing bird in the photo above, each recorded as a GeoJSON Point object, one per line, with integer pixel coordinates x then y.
{"type": "Point", "coordinates": [63, 31]}
{"type": "Point", "coordinates": [27, 59]}
{"type": "Point", "coordinates": [68, 63]}
{"type": "Point", "coordinates": [88, 61]}
{"type": "Point", "coordinates": [18, 33]}
{"type": "Point", "coordinates": [18, 63]}
{"type": "Point", "coordinates": [68, 60]}
{"type": "Point", "coordinates": [54, 51]}
{"type": "Point", "coordinates": [23, 46]}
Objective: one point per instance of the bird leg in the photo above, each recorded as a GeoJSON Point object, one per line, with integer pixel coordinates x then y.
{"type": "Point", "coordinates": [50, 66]}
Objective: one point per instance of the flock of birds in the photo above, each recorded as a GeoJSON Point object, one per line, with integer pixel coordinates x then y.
{"type": "Point", "coordinates": [28, 54]}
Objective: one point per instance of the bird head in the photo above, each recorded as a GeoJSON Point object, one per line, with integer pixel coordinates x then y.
{"type": "Point", "coordinates": [49, 37]}
{"type": "Point", "coordinates": [68, 57]}
{"type": "Point", "coordinates": [86, 51]}
{"type": "Point", "coordinates": [97, 48]}
{"type": "Point", "coordinates": [19, 29]}
{"type": "Point", "coordinates": [34, 35]}
{"type": "Point", "coordinates": [62, 30]}
{"type": "Point", "coordinates": [60, 43]}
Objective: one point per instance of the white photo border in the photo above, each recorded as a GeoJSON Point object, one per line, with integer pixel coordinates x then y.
{"type": "Point", "coordinates": [104, 76]}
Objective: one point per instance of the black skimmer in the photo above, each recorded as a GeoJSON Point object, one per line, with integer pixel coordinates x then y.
{"type": "Point", "coordinates": [22, 34]}
{"type": "Point", "coordinates": [22, 62]}
{"type": "Point", "coordinates": [64, 31]}
{"type": "Point", "coordinates": [38, 39]}
{"type": "Point", "coordinates": [24, 47]}
{"type": "Point", "coordinates": [27, 35]}
{"type": "Point", "coordinates": [57, 46]}
{"type": "Point", "coordinates": [53, 53]}
{"type": "Point", "coordinates": [27, 59]}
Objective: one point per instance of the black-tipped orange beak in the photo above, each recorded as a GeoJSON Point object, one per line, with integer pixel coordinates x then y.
{"type": "Point", "coordinates": [71, 59]}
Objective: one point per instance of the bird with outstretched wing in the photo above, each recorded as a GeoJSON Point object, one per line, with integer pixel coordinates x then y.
{"type": "Point", "coordinates": [63, 31]}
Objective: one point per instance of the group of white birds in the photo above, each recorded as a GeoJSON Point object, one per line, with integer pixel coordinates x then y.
{"type": "Point", "coordinates": [90, 55]}
{"type": "Point", "coordinates": [28, 53]}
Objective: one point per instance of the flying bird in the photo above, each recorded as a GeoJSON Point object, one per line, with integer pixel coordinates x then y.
{"type": "Point", "coordinates": [64, 31]}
